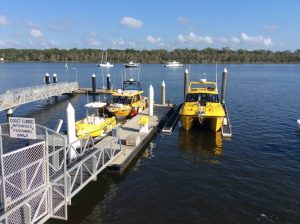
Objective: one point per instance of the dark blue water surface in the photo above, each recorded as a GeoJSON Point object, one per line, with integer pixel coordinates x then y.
{"type": "Point", "coordinates": [195, 176]}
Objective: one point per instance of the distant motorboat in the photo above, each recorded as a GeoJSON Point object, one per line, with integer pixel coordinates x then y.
{"type": "Point", "coordinates": [173, 64]}
{"type": "Point", "coordinates": [131, 64]}
{"type": "Point", "coordinates": [298, 121]}
{"type": "Point", "coordinates": [105, 64]}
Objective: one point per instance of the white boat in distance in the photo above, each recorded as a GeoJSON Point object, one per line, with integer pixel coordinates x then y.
{"type": "Point", "coordinates": [131, 64]}
{"type": "Point", "coordinates": [173, 64]}
{"type": "Point", "coordinates": [298, 121]}
{"type": "Point", "coordinates": [105, 64]}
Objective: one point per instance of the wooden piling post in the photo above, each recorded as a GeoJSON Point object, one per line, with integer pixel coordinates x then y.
{"type": "Point", "coordinates": [94, 84]}
{"type": "Point", "coordinates": [151, 100]}
{"type": "Point", "coordinates": [108, 84]}
{"type": "Point", "coordinates": [163, 93]}
{"type": "Point", "coordinates": [186, 82]}
{"type": "Point", "coordinates": [224, 83]}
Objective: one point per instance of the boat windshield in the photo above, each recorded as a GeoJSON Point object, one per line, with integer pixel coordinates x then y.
{"type": "Point", "coordinates": [202, 97]}
{"type": "Point", "coordinates": [122, 99]}
{"type": "Point", "coordinates": [202, 86]}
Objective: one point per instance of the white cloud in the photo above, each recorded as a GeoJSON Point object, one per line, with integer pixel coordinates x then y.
{"type": "Point", "coordinates": [181, 38]}
{"type": "Point", "coordinates": [182, 20]}
{"type": "Point", "coordinates": [36, 33]}
{"type": "Point", "coordinates": [192, 38]}
{"type": "Point", "coordinates": [92, 42]}
{"type": "Point", "coordinates": [8, 43]}
{"type": "Point", "coordinates": [154, 41]}
{"type": "Point", "coordinates": [54, 43]}
{"type": "Point", "coordinates": [235, 40]}
{"type": "Point", "coordinates": [3, 20]}
{"type": "Point", "coordinates": [119, 42]}
{"type": "Point", "coordinates": [132, 44]}
{"type": "Point", "coordinates": [131, 22]}
{"type": "Point", "coordinates": [257, 40]}
{"type": "Point", "coordinates": [231, 40]}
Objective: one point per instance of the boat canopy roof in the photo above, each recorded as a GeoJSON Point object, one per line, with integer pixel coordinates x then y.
{"type": "Point", "coordinates": [200, 87]}
{"type": "Point", "coordinates": [95, 105]}
{"type": "Point", "coordinates": [132, 84]}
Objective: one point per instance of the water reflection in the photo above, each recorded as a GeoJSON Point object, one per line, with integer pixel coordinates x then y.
{"type": "Point", "coordinates": [201, 141]}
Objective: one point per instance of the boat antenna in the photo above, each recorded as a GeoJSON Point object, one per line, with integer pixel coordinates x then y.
{"type": "Point", "coordinates": [87, 95]}
{"type": "Point", "coordinates": [125, 75]}
{"type": "Point", "coordinates": [217, 76]}
{"type": "Point", "coordinates": [121, 77]}
{"type": "Point", "coordinates": [114, 82]}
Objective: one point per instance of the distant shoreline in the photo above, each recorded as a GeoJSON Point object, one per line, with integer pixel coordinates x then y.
{"type": "Point", "coordinates": [159, 56]}
{"type": "Point", "coordinates": [223, 63]}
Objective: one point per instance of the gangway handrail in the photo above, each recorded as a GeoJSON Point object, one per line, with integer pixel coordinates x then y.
{"type": "Point", "coordinates": [38, 86]}
{"type": "Point", "coordinates": [15, 97]}
{"type": "Point", "coordinates": [41, 181]}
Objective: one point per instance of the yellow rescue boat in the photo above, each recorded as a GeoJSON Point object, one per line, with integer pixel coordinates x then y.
{"type": "Point", "coordinates": [202, 105]}
{"type": "Point", "coordinates": [129, 101]}
{"type": "Point", "coordinates": [94, 124]}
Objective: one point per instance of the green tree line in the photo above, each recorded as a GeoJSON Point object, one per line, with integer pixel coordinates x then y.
{"type": "Point", "coordinates": [186, 56]}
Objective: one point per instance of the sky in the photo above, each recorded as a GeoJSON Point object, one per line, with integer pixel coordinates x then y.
{"type": "Point", "coordinates": [150, 24]}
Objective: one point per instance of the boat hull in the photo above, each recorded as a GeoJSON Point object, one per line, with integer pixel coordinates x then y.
{"type": "Point", "coordinates": [214, 123]}
{"type": "Point", "coordinates": [106, 66]}
{"type": "Point", "coordinates": [84, 129]}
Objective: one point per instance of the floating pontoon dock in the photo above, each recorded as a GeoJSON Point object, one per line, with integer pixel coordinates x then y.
{"type": "Point", "coordinates": [132, 127]}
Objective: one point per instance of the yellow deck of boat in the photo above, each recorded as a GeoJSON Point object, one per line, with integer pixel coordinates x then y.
{"type": "Point", "coordinates": [132, 126]}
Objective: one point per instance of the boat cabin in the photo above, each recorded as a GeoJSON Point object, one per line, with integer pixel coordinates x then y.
{"type": "Point", "coordinates": [128, 97]}
{"type": "Point", "coordinates": [202, 92]}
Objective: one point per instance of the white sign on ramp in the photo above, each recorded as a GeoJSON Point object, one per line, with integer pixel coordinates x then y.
{"type": "Point", "coordinates": [20, 127]}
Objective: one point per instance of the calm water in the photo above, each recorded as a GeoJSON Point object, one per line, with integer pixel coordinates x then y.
{"type": "Point", "coordinates": [192, 177]}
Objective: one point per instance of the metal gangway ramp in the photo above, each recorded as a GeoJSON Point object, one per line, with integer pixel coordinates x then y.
{"type": "Point", "coordinates": [226, 126]}
{"type": "Point", "coordinates": [16, 97]}
{"type": "Point", "coordinates": [37, 181]}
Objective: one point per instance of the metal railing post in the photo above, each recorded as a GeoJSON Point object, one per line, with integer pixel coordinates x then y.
{"type": "Point", "coordinates": [94, 167]}
{"type": "Point", "coordinates": [27, 213]}
{"type": "Point", "coordinates": [69, 186]}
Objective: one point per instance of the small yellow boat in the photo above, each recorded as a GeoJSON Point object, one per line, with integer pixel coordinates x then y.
{"type": "Point", "coordinates": [94, 125]}
{"type": "Point", "coordinates": [202, 105]}
{"type": "Point", "coordinates": [129, 101]}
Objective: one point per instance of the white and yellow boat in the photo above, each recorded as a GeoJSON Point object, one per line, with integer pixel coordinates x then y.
{"type": "Point", "coordinates": [129, 101]}
{"type": "Point", "coordinates": [202, 105]}
{"type": "Point", "coordinates": [94, 125]}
